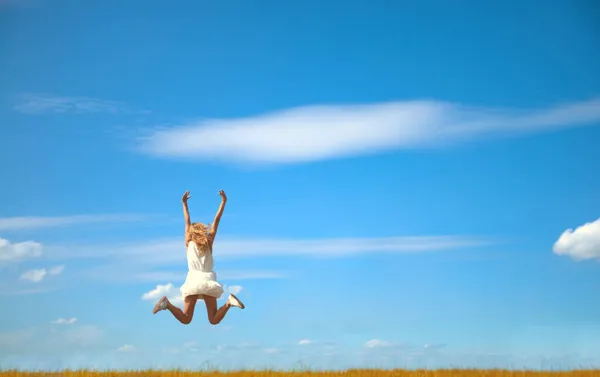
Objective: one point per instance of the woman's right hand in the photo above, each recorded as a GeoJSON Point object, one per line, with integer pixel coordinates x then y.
{"type": "Point", "coordinates": [186, 196]}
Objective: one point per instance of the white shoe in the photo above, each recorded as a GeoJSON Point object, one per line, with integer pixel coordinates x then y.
{"type": "Point", "coordinates": [234, 301]}
{"type": "Point", "coordinates": [160, 305]}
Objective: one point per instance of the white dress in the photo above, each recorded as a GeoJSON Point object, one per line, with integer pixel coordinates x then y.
{"type": "Point", "coordinates": [200, 280]}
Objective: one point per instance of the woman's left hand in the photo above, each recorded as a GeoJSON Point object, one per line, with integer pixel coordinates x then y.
{"type": "Point", "coordinates": [223, 196]}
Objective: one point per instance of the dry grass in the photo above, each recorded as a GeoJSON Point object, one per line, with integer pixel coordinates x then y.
{"type": "Point", "coordinates": [350, 373]}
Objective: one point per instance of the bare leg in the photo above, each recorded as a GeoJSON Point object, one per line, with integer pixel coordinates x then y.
{"type": "Point", "coordinates": [215, 316]}
{"type": "Point", "coordinates": [185, 316]}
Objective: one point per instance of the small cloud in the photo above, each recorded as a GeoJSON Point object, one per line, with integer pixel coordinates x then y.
{"type": "Point", "coordinates": [169, 290]}
{"type": "Point", "coordinates": [235, 289]}
{"type": "Point", "coordinates": [31, 103]}
{"type": "Point", "coordinates": [64, 321]}
{"type": "Point", "coordinates": [431, 347]}
{"type": "Point", "coordinates": [581, 243]}
{"type": "Point", "coordinates": [39, 289]}
{"type": "Point", "coordinates": [16, 252]}
{"type": "Point", "coordinates": [34, 276]}
{"type": "Point", "coordinates": [271, 350]}
{"type": "Point", "coordinates": [190, 344]}
{"type": "Point", "coordinates": [251, 275]}
{"type": "Point", "coordinates": [304, 342]}
{"type": "Point", "coordinates": [56, 270]}
{"type": "Point", "coordinates": [376, 343]}
{"type": "Point", "coordinates": [29, 223]}
{"type": "Point", "coordinates": [37, 275]}
{"type": "Point", "coordinates": [126, 348]}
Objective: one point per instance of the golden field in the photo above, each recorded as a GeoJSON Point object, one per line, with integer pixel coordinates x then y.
{"type": "Point", "coordinates": [350, 373]}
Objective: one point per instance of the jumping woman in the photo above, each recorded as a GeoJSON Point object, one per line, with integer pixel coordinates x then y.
{"type": "Point", "coordinates": [201, 282]}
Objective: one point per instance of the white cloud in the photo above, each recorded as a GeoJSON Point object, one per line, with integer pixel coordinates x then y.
{"type": "Point", "coordinates": [32, 222]}
{"type": "Point", "coordinates": [64, 321]}
{"type": "Point", "coordinates": [32, 103]}
{"type": "Point", "coordinates": [581, 243]}
{"type": "Point", "coordinates": [250, 275]}
{"type": "Point", "coordinates": [15, 252]}
{"type": "Point", "coordinates": [126, 348]}
{"type": "Point", "coordinates": [119, 272]}
{"type": "Point", "coordinates": [304, 342]}
{"type": "Point", "coordinates": [271, 350]}
{"type": "Point", "coordinates": [37, 275]}
{"type": "Point", "coordinates": [139, 261]}
{"type": "Point", "coordinates": [323, 132]}
{"type": "Point", "coordinates": [235, 289]}
{"type": "Point", "coordinates": [173, 294]}
{"type": "Point", "coordinates": [375, 343]}
{"type": "Point", "coordinates": [34, 276]}
{"type": "Point", "coordinates": [435, 346]}
{"type": "Point", "coordinates": [56, 270]}
{"type": "Point", "coordinates": [11, 291]}
{"type": "Point", "coordinates": [160, 252]}
{"type": "Point", "coordinates": [159, 291]}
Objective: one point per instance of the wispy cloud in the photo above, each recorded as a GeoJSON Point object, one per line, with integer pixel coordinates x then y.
{"type": "Point", "coordinates": [234, 289]}
{"type": "Point", "coordinates": [38, 103]}
{"type": "Point", "coordinates": [160, 252]}
{"type": "Point", "coordinates": [37, 275]}
{"type": "Point", "coordinates": [64, 321]}
{"type": "Point", "coordinates": [34, 276]}
{"type": "Point", "coordinates": [37, 290]}
{"type": "Point", "coordinates": [126, 348]}
{"type": "Point", "coordinates": [16, 252]}
{"type": "Point", "coordinates": [581, 243]}
{"type": "Point", "coordinates": [56, 270]}
{"type": "Point", "coordinates": [251, 275]}
{"type": "Point", "coordinates": [122, 272]}
{"type": "Point", "coordinates": [377, 343]}
{"type": "Point", "coordinates": [36, 222]}
{"type": "Point", "coordinates": [158, 262]}
{"type": "Point", "coordinates": [323, 132]}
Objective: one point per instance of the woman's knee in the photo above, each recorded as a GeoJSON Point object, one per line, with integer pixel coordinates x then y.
{"type": "Point", "coordinates": [213, 320]}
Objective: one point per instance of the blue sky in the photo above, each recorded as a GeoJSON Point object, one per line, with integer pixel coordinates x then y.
{"type": "Point", "coordinates": [409, 184]}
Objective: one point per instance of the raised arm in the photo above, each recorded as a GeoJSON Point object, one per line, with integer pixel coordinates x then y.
{"type": "Point", "coordinates": [215, 224]}
{"type": "Point", "coordinates": [186, 216]}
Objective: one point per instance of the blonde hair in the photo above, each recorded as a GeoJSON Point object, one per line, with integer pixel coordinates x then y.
{"type": "Point", "coordinates": [200, 234]}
